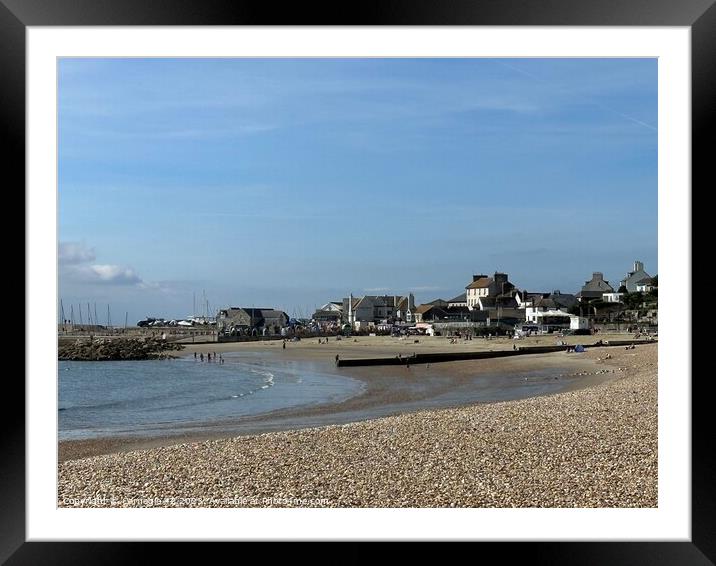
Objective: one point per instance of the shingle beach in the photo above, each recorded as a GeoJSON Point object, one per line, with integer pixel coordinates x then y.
{"type": "Point", "coordinates": [592, 447]}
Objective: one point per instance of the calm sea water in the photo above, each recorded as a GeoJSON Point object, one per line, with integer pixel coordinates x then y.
{"type": "Point", "coordinates": [99, 399]}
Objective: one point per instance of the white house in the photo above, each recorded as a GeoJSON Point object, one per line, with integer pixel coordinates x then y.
{"type": "Point", "coordinates": [612, 297]}
{"type": "Point", "coordinates": [555, 320]}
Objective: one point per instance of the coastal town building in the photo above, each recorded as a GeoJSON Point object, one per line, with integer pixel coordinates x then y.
{"type": "Point", "coordinates": [330, 312]}
{"type": "Point", "coordinates": [555, 300]}
{"type": "Point", "coordinates": [378, 309]}
{"type": "Point", "coordinates": [646, 285]}
{"type": "Point", "coordinates": [431, 313]}
{"type": "Point", "coordinates": [482, 287]}
{"type": "Point", "coordinates": [634, 277]}
{"type": "Point", "coordinates": [612, 297]}
{"type": "Point", "coordinates": [552, 320]}
{"type": "Point", "coordinates": [594, 288]}
{"type": "Point", "coordinates": [250, 320]}
{"type": "Point", "coordinates": [459, 301]}
{"type": "Point", "coordinates": [525, 298]}
{"type": "Point", "coordinates": [428, 312]}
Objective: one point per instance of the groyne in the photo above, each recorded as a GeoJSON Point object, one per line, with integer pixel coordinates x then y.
{"type": "Point", "coordinates": [436, 357]}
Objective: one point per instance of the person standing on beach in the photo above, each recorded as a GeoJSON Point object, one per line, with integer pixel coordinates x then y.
{"type": "Point", "coordinates": [201, 356]}
{"type": "Point", "coordinates": [284, 345]}
{"type": "Point", "coordinates": [194, 356]}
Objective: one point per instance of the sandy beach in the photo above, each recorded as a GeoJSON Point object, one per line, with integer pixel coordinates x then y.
{"type": "Point", "coordinates": [593, 445]}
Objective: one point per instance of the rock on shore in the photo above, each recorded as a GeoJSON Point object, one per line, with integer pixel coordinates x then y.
{"type": "Point", "coordinates": [100, 349]}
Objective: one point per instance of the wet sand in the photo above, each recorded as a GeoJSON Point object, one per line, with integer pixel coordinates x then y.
{"type": "Point", "coordinates": [389, 390]}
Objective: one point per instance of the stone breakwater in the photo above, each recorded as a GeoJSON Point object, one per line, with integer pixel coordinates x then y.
{"type": "Point", "coordinates": [594, 447]}
{"type": "Point", "coordinates": [101, 349]}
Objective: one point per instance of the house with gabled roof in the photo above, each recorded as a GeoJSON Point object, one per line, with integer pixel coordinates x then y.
{"type": "Point", "coordinates": [378, 308]}
{"type": "Point", "coordinates": [483, 286]}
{"type": "Point", "coordinates": [247, 319]}
{"type": "Point", "coordinates": [594, 288]}
{"type": "Point", "coordinates": [634, 277]}
{"type": "Point", "coordinates": [330, 312]}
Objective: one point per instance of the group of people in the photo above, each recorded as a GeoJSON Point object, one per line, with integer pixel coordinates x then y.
{"type": "Point", "coordinates": [219, 358]}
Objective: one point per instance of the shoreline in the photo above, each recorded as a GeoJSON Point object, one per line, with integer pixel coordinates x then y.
{"type": "Point", "coordinates": [386, 392]}
{"type": "Point", "coordinates": [591, 447]}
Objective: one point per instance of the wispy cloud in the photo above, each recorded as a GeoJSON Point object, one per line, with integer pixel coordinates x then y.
{"type": "Point", "coordinates": [580, 96]}
{"type": "Point", "coordinates": [72, 253]}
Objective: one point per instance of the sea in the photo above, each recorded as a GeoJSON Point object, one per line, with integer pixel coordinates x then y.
{"type": "Point", "coordinates": [153, 397]}
{"type": "Point", "coordinates": [184, 395]}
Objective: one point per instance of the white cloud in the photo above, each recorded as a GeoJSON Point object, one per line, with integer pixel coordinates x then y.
{"type": "Point", "coordinates": [72, 253]}
{"type": "Point", "coordinates": [114, 274]}
{"type": "Point", "coordinates": [76, 263]}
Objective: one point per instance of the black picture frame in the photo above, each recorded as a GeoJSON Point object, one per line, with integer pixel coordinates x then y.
{"type": "Point", "coordinates": [699, 15]}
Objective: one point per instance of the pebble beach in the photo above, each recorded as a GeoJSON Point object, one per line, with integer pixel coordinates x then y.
{"type": "Point", "coordinates": [591, 447]}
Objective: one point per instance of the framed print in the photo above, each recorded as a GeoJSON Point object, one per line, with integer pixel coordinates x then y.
{"type": "Point", "coordinates": [332, 282]}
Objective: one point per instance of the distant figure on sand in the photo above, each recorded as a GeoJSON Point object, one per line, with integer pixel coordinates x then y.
{"type": "Point", "coordinates": [208, 356]}
{"type": "Point", "coordinates": [201, 356]}
{"type": "Point", "coordinates": [336, 359]}
{"type": "Point", "coordinates": [284, 344]}
{"type": "Point", "coordinates": [194, 355]}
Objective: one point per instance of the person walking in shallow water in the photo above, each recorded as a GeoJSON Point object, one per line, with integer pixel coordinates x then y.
{"type": "Point", "coordinates": [194, 356]}
{"type": "Point", "coordinates": [201, 356]}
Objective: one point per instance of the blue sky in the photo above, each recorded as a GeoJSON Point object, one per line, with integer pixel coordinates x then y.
{"type": "Point", "coordinates": [291, 182]}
